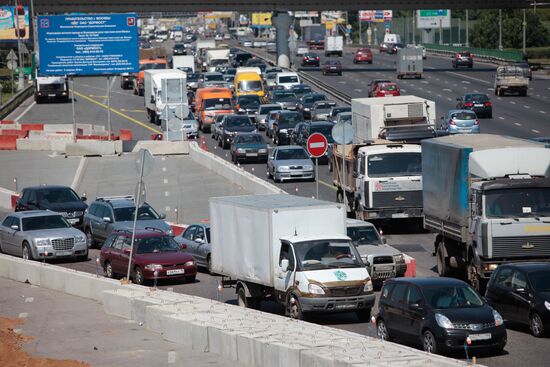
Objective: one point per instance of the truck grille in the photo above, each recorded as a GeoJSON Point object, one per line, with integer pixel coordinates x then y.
{"type": "Point", "coordinates": [521, 246]}
{"type": "Point", "coordinates": [382, 260]}
{"type": "Point", "coordinates": [61, 244]}
{"type": "Point", "coordinates": [345, 291]}
{"type": "Point", "coordinates": [397, 199]}
{"type": "Point", "coordinates": [383, 274]}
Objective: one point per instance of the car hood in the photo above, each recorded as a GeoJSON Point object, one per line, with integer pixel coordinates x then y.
{"type": "Point", "coordinates": [473, 315]}
{"type": "Point", "coordinates": [376, 250]}
{"type": "Point", "coordinates": [142, 224]}
{"type": "Point", "coordinates": [293, 162]}
{"type": "Point", "coordinates": [64, 207]}
{"type": "Point", "coordinates": [240, 129]}
{"type": "Point", "coordinates": [56, 232]}
{"type": "Point", "coordinates": [178, 257]}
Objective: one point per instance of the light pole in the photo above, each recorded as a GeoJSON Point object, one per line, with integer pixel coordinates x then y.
{"type": "Point", "coordinates": [524, 31]}
{"type": "Point", "coordinates": [500, 29]}
{"type": "Point", "coordinates": [21, 80]}
{"type": "Point", "coordinates": [467, 30]}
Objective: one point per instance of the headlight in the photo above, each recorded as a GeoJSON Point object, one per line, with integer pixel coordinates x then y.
{"type": "Point", "coordinates": [443, 321]}
{"type": "Point", "coordinates": [283, 131]}
{"type": "Point", "coordinates": [262, 150]}
{"type": "Point", "coordinates": [306, 109]}
{"type": "Point", "coordinates": [368, 286]}
{"type": "Point", "coordinates": [398, 258]}
{"type": "Point", "coordinates": [80, 238]}
{"type": "Point", "coordinates": [153, 267]}
{"type": "Point", "coordinates": [41, 242]}
{"type": "Point", "coordinates": [547, 305]}
{"type": "Point", "coordinates": [498, 319]}
{"type": "Point", "coordinates": [308, 167]}
{"type": "Point", "coordinates": [241, 150]}
{"type": "Point", "coordinates": [230, 133]}
{"type": "Point", "coordinates": [315, 289]}
{"type": "Point", "coordinates": [283, 169]}
{"type": "Point", "coordinates": [189, 263]}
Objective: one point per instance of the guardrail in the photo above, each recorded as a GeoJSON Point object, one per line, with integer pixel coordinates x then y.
{"type": "Point", "coordinates": [15, 101]}
{"type": "Point", "coordinates": [483, 53]}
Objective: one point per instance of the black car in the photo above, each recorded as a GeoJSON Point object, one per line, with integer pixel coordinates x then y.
{"type": "Point", "coordinates": [284, 127]}
{"type": "Point", "coordinates": [179, 49]}
{"type": "Point", "coordinates": [232, 125]}
{"type": "Point", "coordinates": [394, 47]}
{"type": "Point", "coordinates": [248, 104]}
{"type": "Point", "coordinates": [521, 293]}
{"type": "Point", "coordinates": [441, 313]}
{"type": "Point", "coordinates": [311, 59]}
{"type": "Point", "coordinates": [477, 102]}
{"type": "Point", "coordinates": [241, 58]}
{"type": "Point", "coordinates": [463, 59]}
{"type": "Point", "coordinates": [301, 89]}
{"type": "Point", "coordinates": [333, 115]}
{"type": "Point", "coordinates": [61, 199]}
{"type": "Point", "coordinates": [307, 101]}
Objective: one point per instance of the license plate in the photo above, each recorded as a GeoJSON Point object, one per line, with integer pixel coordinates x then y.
{"type": "Point", "coordinates": [175, 271]}
{"type": "Point", "coordinates": [485, 336]}
{"type": "Point", "coordinates": [73, 220]}
{"type": "Point", "coordinates": [251, 154]}
{"type": "Point", "coordinates": [332, 68]}
{"type": "Point", "coordinates": [344, 306]}
{"type": "Point", "coordinates": [400, 215]}
{"type": "Point", "coordinates": [51, 95]}
{"type": "Point", "coordinates": [63, 253]}
{"type": "Point", "coordinates": [478, 105]}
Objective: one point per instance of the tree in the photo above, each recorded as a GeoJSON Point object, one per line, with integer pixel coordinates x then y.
{"type": "Point", "coordinates": [485, 32]}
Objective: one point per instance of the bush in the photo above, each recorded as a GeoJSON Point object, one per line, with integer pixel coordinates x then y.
{"type": "Point", "coordinates": [538, 53]}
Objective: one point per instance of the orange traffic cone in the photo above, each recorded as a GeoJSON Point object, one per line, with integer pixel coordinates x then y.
{"type": "Point", "coordinates": [203, 145]}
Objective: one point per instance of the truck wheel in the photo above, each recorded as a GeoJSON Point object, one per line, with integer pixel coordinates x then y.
{"type": "Point", "coordinates": [363, 315]}
{"type": "Point", "coordinates": [339, 196]}
{"type": "Point", "coordinates": [442, 267]}
{"type": "Point", "coordinates": [247, 302]}
{"type": "Point", "coordinates": [294, 310]}
{"type": "Point", "coordinates": [473, 276]}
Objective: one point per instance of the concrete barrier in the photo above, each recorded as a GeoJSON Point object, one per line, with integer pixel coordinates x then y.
{"type": "Point", "coordinates": [93, 148]}
{"type": "Point", "coordinates": [236, 175]}
{"type": "Point", "coordinates": [160, 147]}
{"type": "Point", "coordinates": [8, 198]}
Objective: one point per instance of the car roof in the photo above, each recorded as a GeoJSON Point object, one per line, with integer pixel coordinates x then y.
{"type": "Point", "coordinates": [356, 223]}
{"type": "Point", "coordinates": [148, 232]}
{"type": "Point", "coordinates": [459, 110]}
{"type": "Point", "coordinates": [529, 267]}
{"type": "Point", "coordinates": [117, 202]}
{"type": "Point", "coordinates": [47, 187]}
{"type": "Point", "coordinates": [427, 281]}
{"type": "Point", "coordinates": [288, 147]}
{"type": "Point", "coordinates": [320, 123]}
{"type": "Point", "coordinates": [33, 213]}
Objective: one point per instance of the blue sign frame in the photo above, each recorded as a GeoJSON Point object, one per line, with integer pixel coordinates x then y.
{"type": "Point", "coordinates": [88, 44]}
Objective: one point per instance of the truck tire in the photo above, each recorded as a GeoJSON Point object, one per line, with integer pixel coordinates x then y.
{"type": "Point", "coordinates": [442, 266]}
{"type": "Point", "coordinates": [293, 308]}
{"type": "Point", "coordinates": [473, 277]}
{"type": "Point", "coordinates": [247, 302]}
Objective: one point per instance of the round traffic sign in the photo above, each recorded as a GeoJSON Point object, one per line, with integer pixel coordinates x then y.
{"type": "Point", "coordinates": [12, 64]}
{"type": "Point", "coordinates": [342, 133]}
{"type": "Point", "coordinates": [317, 145]}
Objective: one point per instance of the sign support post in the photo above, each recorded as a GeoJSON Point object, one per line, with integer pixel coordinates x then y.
{"type": "Point", "coordinates": [109, 107]}
{"type": "Point", "coordinates": [72, 104]}
{"type": "Point", "coordinates": [316, 178]}
{"type": "Point", "coordinates": [317, 146]}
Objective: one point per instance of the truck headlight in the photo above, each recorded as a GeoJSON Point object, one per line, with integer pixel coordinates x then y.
{"type": "Point", "coordinates": [399, 258]}
{"type": "Point", "coordinates": [80, 238]}
{"type": "Point", "coordinates": [443, 321]}
{"type": "Point", "coordinates": [498, 319]}
{"type": "Point", "coordinates": [315, 289]}
{"type": "Point", "coordinates": [42, 242]}
{"type": "Point", "coordinates": [153, 267]}
{"type": "Point", "coordinates": [368, 286]}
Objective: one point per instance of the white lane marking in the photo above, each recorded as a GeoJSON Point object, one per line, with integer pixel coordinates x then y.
{"type": "Point", "coordinates": [455, 85]}
{"type": "Point", "coordinates": [517, 124]}
{"type": "Point", "coordinates": [163, 169]}
{"type": "Point", "coordinates": [358, 90]}
{"type": "Point", "coordinates": [542, 112]}
{"type": "Point", "coordinates": [439, 95]}
{"type": "Point", "coordinates": [430, 92]}
{"type": "Point", "coordinates": [464, 87]}
{"type": "Point", "coordinates": [500, 99]}
{"type": "Point", "coordinates": [23, 315]}
{"type": "Point", "coordinates": [420, 88]}
{"type": "Point", "coordinates": [78, 174]}
{"type": "Point", "coordinates": [403, 90]}
{"type": "Point", "coordinates": [25, 111]}
{"type": "Point", "coordinates": [538, 95]}
{"type": "Point", "coordinates": [535, 131]}
{"type": "Point", "coordinates": [468, 77]}
{"type": "Point", "coordinates": [166, 193]}
{"type": "Point", "coordinates": [165, 180]}
{"type": "Point", "coordinates": [433, 68]}
{"type": "Point", "coordinates": [476, 91]}
{"type": "Point", "coordinates": [447, 90]}
{"type": "Point", "coordinates": [446, 82]}
{"type": "Point", "coordinates": [500, 117]}
{"type": "Point", "coordinates": [171, 357]}
{"type": "Point", "coordinates": [342, 82]}
{"type": "Point", "coordinates": [525, 106]}
{"type": "Point", "coordinates": [512, 102]}
{"type": "Point", "coordinates": [437, 79]}
{"type": "Point", "coordinates": [29, 299]}
{"type": "Point", "coordinates": [425, 82]}
{"type": "Point", "coordinates": [465, 82]}
{"type": "Point", "coordinates": [449, 99]}
{"type": "Point", "coordinates": [317, 145]}
{"type": "Point", "coordinates": [163, 159]}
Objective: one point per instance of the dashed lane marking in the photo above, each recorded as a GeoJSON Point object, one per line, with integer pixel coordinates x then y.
{"type": "Point", "coordinates": [535, 131]}
{"type": "Point", "coordinates": [501, 118]}
{"type": "Point", "coordinates": [517, 124]}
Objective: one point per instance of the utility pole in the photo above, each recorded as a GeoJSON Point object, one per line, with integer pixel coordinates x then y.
{"type": "Point", "coordinates": [414, 27]}
{"type": "Point", "coordinates": [21, 80]}
{"type": "Point", "coordinates": [467, 30]}
{"type": "Point", "coordinates": [500, 29]}
{"type": "Point", "coordinates": [524, 31]}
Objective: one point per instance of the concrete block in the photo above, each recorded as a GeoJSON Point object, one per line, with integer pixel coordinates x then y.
{"type": "Point", "coordinates": [189, 329]}
{"type": "Point", "coordinates": [89, 286]}
{"type": "Point", "coordinates": [24, 271]}
{"type": "Point", "coordinates": [58, 145]}
{"type": "Point", "coordinates": [5, 264]}
{"type": "Point", "coordinates": [34, 144]}
{"type": "Point", "coordinates": [119, 302]}
{"type": "Point", "coordinates": [251, 346]}
{"type": "Point", "coordinates": [90, 147]}
{"type": "Point", "coordinates": [53, 277]}
{"type": "Point", "coordinates": [162, 147]}
{"type": "Point", "coordinates": [53, 128]}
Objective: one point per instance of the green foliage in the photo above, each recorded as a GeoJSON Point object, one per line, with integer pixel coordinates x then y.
{"type": "Point", "coordinates": [538, 53]}
{"type": "Point", "coordinates": [485, 32]}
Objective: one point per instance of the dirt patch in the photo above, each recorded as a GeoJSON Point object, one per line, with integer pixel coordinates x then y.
{"type": "Point", "coordinates": [12, 355]}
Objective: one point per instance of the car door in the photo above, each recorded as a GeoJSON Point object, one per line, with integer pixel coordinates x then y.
{"type": "Point", "coordinates": [413, 312]}
{"type": "Point", "coordinates": [283, 279]}
{"type": "Point", "coordinates": [270, 160]}
{"type": "Point", "coordinates": [521, 297]}
{"type": "Point", "coordinates": [188, 239]}
{"type": "Point", "coordinates": [105, 228]}
{"type": "Point", "coordinates": [202, 245]}
{"type": "Point", "coordinates": [499, 293]}
{"type": "Point", "coordinates": [394, 311]}
{"type": "Point", "coordinates": [5, 234]}
{"type": "Point", "coordinates": [115, 255]}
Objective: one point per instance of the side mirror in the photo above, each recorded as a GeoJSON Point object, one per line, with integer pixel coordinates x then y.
{"type": "Point", "coordinates": [199, 240]}
{"type": "Point", "coordinates": [152, 99]}
{"type": "Point", "coordinates": [15, 227]}
{"type": "Point", "coordinates": [355, 175]}
{"type": "Point", "coordinates": [183, 246]}
{"type": "Point", "coordinates": [416, 307]}
{"type": "Point", "coordinates": [83, 198]}
{"type": "Point", "coordinates": [107, 219]}
{"type": "Point", "coordinates": [284, 265]}
{"type": "Point", "coordinates": [162, 216]}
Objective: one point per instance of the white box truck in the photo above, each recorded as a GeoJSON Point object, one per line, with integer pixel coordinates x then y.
{"type": "Point", "coordinates": [51, 88]}
{"type": "Point", "coordinates": [334, 45]}
{"type": "Point", "coordinates": [183, 62]}
{"type": "Point", "coordinates": [289, 249]}
{"type": "Point", "coordinates": [409, 62]}
{"type": "Point", "coordinates": [165, 93]}
{"type": "Point", "coordinates": [201, 46]}
{"type": "Point", "coordinates": [216, 57]}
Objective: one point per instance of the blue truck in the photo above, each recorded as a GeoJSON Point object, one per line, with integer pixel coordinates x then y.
{"type": "Point", "coordinates": [488, 199]}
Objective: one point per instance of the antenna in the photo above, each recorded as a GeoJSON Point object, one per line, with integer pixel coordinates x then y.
{"type": "Point", "coordinates": [295, 232]}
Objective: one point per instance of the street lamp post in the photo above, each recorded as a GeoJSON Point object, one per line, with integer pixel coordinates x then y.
{"type": "Point", "coordinates": [467, 30]}
{"type": "Point", "coordinates": [524, 31]}
{"type": "Point", "coordinates": [500, 29]}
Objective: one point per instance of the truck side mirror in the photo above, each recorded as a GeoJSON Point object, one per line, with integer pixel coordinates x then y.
{"type": "Point", "coordinates": [152, 99]}
{"type": "Point", "coordinates": [284, 265]}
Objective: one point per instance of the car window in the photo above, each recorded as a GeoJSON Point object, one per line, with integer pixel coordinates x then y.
{"type": "Point", "coordinates": [287, 253]}
{"type": "Point", "coordinates": [398, 293]}
{"type": "Point", "coordinates": [119, 242]}
{"type": "Point", "coordinates": [92, 209]}
{"type": "Point", "coordinates": [504, 278]}
{"type": "Point", "coordinates": [110, 240]}
{"type": "Point", "coordinates": [285, 154]}
{"type": "Point", "coordinates": [127, 244]}
{"type": "Point", "coordinates": [413, 295]}
{"type": "Point", "coordinates": [386, 291]}
{"type": "Point", "coordinates": [32, 196]}
{"type": "Point", "coordinates": [7, 222]}
{"type": "Point", "coordinates": [58, 195]}
{"type": "Point", "coordinates": [518, 280]}
{"type": "Point", "coordinates": [25, 196]}
{"type": "Point", "coordinates": [44, 222]}
{"type": "Point", "coordinates": [189, 233]}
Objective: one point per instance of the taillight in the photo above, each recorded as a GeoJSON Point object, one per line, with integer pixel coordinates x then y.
{"type": "Point", "coordinates": [476, 122]}
{"type": "Point", "coordinates": [488, 104]}
{"type": "Point", "coordinates": [468, 104]}
{"type": "Point", "coordinates": [317, 58]}
{"type": "Point", "coordinates": [452, 122]}
{"type": "Point", "coordinates": [470, 55]}
{"type": "Point", "coordinates": [305, 58]}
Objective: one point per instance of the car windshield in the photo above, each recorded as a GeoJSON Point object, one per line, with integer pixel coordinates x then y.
{"type": "Point", "coordinates": [336, 110]}
{"type": "Point", "coordinates": [540, 280]}
{"type": "Point", "coordinates": [301, 90]}
{"type": "Point", "coordinates": [156, 244]}
{"type": "Point", "coordinates": [286, 154]}
{"type": "Point", "coordinates": [217, 104]}
{"type": "Point", "coordinates": [217, 62]}
{"type": "Point", "coordinates": [264, 110]}
{"type": "Point", "coordinates": [364, 235]}
{"type": "Point", "coordinates": [288, 79]}
{"type": "Point", "coordinates": [250, 85]}
{"type": "Point", "coordinates": [291, 118]}
{"type": "Point", "coordinates": [193, 77]}
{"type": "Point", "coordinates": [152, 66]}
{"type": "Point", "coordinates": [326, 254]}
{"type": "Point", "coordinates": [237, 121]}
{"type": "Point", "coordinates": [315, 98]}
{"type": "Point", "coordinates": [452, 296]}
{"type": "Point", "coordinates": [249, 101]}
{"type": "Point", "coordinates": [60, 195]}
{"type": "Point", "coordinates": [464, 116]}
{"type": "Point", "coordinates": [517, 202]}
{"type": "Point", "coordinates": [326, 130]}
{"type": "Point", "coordinates": [213, 77]}
{"type": "Point", "coordinates": [284, 95]}
{"type": "Point", "coordinates": [324, 106]}
{"type": "Point", "coordinates": [394, 164]}
{"type": "Point", "coordinates": [249, 139]}
{"type": "Point", "coordinates": [388, 87]}
{"type": "Point", "coordinates": [476, 97]}
{"type": "Point", "coordinates": [127, 214]}
{"type": "Point", "coordinates": [44, 222]}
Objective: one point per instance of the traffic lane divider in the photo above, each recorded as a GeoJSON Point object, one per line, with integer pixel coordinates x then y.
{"type": "Point", "coordinates": [8, 142]}
{"type": "Point", "coordinates": [21, 134]}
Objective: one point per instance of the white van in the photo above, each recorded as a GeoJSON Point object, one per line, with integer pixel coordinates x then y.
{"type": "Point", "coordinates": [287, 79]}
{"type": "Point", "coordinates": [392, 38]}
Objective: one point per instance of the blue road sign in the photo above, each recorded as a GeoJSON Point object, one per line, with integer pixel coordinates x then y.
{"type": "Point", "coordinates": [89, 44]}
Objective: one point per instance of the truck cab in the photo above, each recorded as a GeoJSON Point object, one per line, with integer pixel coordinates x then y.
{"type": "Point", "coordinates": [51, 88]}
{"type": "Point", "coordinates": [165, 95]}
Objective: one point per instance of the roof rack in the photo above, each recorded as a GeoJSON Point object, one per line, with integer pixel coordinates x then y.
{"type": "Point", "coordinates": [109, 198]}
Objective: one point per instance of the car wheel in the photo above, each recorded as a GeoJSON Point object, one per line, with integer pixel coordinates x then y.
{"type": "Point", "coordinates": [27, 253]}
{"type": "Point", "coordinates": [428, 342]}
{"type": "Point", "coordinates": [382, 331]}
{"type": "Point", "coordinates": [363, 315]}
{"type": "Point", "coordinates": [108, 268]}
{"type": "Point", "coordinates": [294, 310]}
{"type": "Point", "coordinates": [89, 238]}
{"type": "Point", "coordinates": [138, 276]}
{"type": "Point", "coordinates": [536, 325]}
{"type": "Point", "coordinates": [190, 279]}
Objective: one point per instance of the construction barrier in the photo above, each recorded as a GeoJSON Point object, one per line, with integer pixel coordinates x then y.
{"type": "Point", "coordinates": [8, 142]}
{"type": "Point", "coordinates": [126, 134]}
{"type": "Point", "coordinates": [21, 134]}
{"type": "Point", "coordinates": [32, 127]}
{"type": "Point", "coordinates": [177, 228]}
{"type": "Point", "coordinates": [8, 198]}
{"type": "Point", "coordinates": [7, 122]}
{"type": "Point", "coordinates": [411, 266]}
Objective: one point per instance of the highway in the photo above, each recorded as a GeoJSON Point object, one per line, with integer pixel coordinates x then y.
{"type": "Point", "coordinates": [517, 116]}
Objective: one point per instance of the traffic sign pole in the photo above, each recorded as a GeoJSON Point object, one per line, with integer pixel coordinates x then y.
{"type": "Point", "coordinates": [317, 177]}
{"type": "Point", "coordinates": [317, 145]}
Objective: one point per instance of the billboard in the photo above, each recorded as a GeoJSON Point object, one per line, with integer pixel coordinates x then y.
{"type": "Point", "coordinates": [261, 20]}
{"type": "Point", "coordinates": [333, 17]}
{"type": "Point", "coordinates": [305, 14]}
{"type": "Point", "coordinates": [427, 19]}
{"type": "Point", "coordinates": [94, 44]}
{"type": "Point", "coordinates": [8, 22]}
{"type": "Point", "coordinates": [377, 16]}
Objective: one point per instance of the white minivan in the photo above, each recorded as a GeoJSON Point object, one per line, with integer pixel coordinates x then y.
{"type": "Point", "coordinates": [287, 79]}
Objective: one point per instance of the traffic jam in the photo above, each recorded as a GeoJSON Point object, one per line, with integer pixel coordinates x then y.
{"type": "Point", "coordinates": [389, 159]}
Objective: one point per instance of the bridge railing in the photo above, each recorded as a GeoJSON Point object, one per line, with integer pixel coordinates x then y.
{"type": "Point", "coordinates": [483, 53]}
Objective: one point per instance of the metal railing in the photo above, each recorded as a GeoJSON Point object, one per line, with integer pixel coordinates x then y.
{"type": "Point", "coordinates": [483, 53]}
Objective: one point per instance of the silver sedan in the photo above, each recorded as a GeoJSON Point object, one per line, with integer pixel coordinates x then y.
{"type": "Point", "coordinates": [289, 162]}
{"type": "Point", "coordinates": [196, 238]}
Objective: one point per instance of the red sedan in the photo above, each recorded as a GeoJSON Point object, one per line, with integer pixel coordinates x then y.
{"type": "Point", "coordinates": [155, 255]}
{"type": "Point", "coordinates": [363, 55]}
{"type": "Point", "coordinates": [387, 89]}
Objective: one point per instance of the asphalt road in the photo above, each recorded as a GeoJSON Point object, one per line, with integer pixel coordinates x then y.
{"type": "Point", "coordinates": [517, 116]}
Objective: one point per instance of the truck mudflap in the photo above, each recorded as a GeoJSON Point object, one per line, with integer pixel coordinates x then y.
{"type": "Point", "coordinates": [337, 304]}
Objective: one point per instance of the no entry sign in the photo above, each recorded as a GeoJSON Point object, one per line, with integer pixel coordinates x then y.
{"type": "Point", "coordinates": [317, 145]}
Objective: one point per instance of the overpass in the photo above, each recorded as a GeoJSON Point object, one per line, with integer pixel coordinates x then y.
{"type": "Point", "coordinates": [165, 6]}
